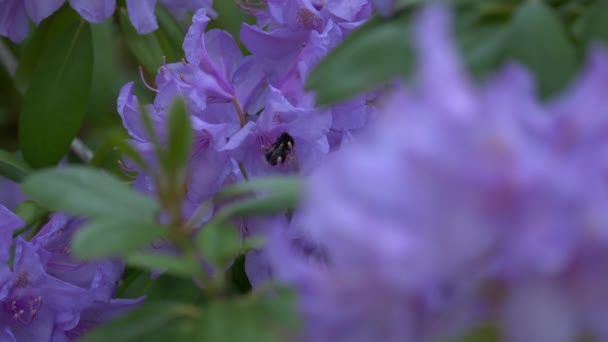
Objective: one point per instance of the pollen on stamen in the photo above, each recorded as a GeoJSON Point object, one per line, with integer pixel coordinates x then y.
{"type": "Point", "coordinates": [308, 19]}
{"type": "Point", "coordinates": [264, 141]}
{"type": "Point", "coordinates": [253, 7]}
{"type": "Point", "coordinates": [143, 79]}
{"type": "Point", "coordinates": [179, 77]}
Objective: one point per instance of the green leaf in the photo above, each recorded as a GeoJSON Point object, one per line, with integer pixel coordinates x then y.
{"type": "Point", "coordinates": [281, 183]}
{"type": "Point", "coordinates": [219, 243]}
{"type": "Point", "coordinates": [111, 237]}
{"type": "Point", "coordinates": [170, 264]}
{"type": "Point", "coordinates": [145, 48]}
{"type": "Point", "coordinates": [88, 192]}
{"type": "Point", "coordinates": [168, 287]}
{"type": "Point", "coordinates": [42, 39]}
{"type": "Point", "coordinates": [482, 45]}
{"type": "Point", "coordinates": [158, 321]}
{"type": "Point", "coordinates": [55, 101]}
{"type": "Point", "coordinates": [593, 23]}
{"type": "Point", "coordinates": [250, 319]}
{"type": "Point", "coordinates": [170, 34]}
{"type": "Point", "coordinates": [133, 283]}
{"type": "Point", "coordinates": [180, 138]}
{"type": "Point", "coordinates": [117, 140]}
{"type": "Point", "coordinates": [30, 212]}
{"type": "Point", "coordinates": [376, 52]}
{"type": "Point", "coordinates": [12, 167]}
{"type": "Point", "coordinates": [485, 332]}
{"type": "Point", "coordinates": [280, 193]}
{"type": "Point", "coordinates": [276, 201]}
{"type": "Point", "coordinates": [538, 39]}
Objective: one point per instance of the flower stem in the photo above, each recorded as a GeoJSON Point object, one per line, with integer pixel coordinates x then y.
{"type": "Point", "coordinates": [239, 111]}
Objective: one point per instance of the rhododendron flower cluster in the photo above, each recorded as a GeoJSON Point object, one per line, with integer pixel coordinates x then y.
{"type": "Point", "coordinates": [250, 113]}
{"type": "Point", "coordinates": [466, 205]}
{"type": "Point", "coordinates": [15, 13]}
{"type": "Point", "coordinates": [45, 294]}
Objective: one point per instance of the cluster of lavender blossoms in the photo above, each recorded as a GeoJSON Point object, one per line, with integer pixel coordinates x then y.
{"type": "Point", "coordinates": [250, 113]}
{"type": "Point", "coordinates": [45, 295]}
{"type": "Point", "coordinates": [14, 15]}
{"type": "Point", "coordinates": [464, 206]}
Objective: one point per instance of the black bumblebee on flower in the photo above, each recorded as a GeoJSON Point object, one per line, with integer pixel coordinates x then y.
{"type": "Point", "coordinates": [280, 150]}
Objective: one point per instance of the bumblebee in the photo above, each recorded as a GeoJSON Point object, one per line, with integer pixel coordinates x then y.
{"type": "Point", "coordinates": [278, 152]}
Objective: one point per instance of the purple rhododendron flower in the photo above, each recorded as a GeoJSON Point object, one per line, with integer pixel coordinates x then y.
{"type": "Point", "coordinates": [470, 205]}
{"type": "Point", "coordinates": [45, 295]}
{"type": "Point", "coordinates": [251, 114]}
{"type": "Point", "coordinates": [34, 303]}
{"type": "Point", "coordinates": [14, 14]}
{"type": "Point", "coordinates": [100, 277]}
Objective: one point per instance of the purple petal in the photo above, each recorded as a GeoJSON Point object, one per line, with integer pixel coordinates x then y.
{"type": "Point", "coordinates": [94, 11]}
{"type": "Point", "coordinates": [7, 336]}
{"type": "Point", "coordinates": [38, 10]}
{"type": "Point", "coordinates": [250, 80]}
{"type": "Point", "coordinates": [101, 312]}
{"type": "Point", "coordinates": [141, 13]}
{"type": "Point", "coordinates": [215, 53]}
{"type": "Point", "coordinates": [128, 108]}
{"type": "Point", "coordinates": [439, 66]}
{"type": "Point", "coordinates": [13, 22]}
{"type": "Point", "coordinates": [9, 222]}
{"type": "Point", "coordinates": [278, 44]}
{"type": "Point", "coordinates": [346, 10]}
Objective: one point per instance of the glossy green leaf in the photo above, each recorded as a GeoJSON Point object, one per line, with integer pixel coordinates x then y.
{"type": "Point", "coordinates": [170, 264]}
{"type": "Point", "coordinates": [55, 101]}
{"type": "Point", "coordinates": [281, 183]}
{"type": "Point", "coordinates": [110, 73]}
{"type": "Point", "coordinates": [219, 243]}
{"type": "Point", "coordinates": [180, 138]}
{"type": "Point", "coordinates": [88, 192]}
{"type": "Point", "coordinates": [145, 48]}
{"type": "Point", "coordinates": [134, 283]}
{"type": "Point", "coordinates": [169, 287]}
{"type": "Point", "coordinates": [12, 167]}
{"type": "Point", "coordinates": [593, 23]}
{"type": "Point", "coordinates": [378, 51]}
{"type": "Point", "coordinates": [482, 45]}
{"type": "Point", "coordinates": [159, 321]}
{"type": "Point", "coordinates": [277, 200]}
{"type": "Point", "coordinates": [169, 35]}
{"type": "Point", "coordinates": [538, 39]}
{"type": "Point", "coordinates": [42, 39]}
{"type": "Point", "coordinates": [110, 237]}
{"type": "Point", "coordinates": [252, 319]}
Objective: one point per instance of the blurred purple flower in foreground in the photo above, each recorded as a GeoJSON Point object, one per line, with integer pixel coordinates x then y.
{"type": "Point", "coordinates": [465, 205]}
{"type": "Point", "coordinates": [46, 295]}
{"type": "Point", "coordinates": [14, 13]}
